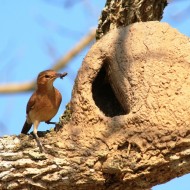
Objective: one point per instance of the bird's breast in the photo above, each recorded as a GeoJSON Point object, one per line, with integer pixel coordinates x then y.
{"type": "Point", "coordinates": [46, 106]}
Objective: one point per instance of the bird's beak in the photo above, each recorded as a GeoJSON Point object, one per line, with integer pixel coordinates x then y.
{"type": "Point", "coordinates": [61, 75]}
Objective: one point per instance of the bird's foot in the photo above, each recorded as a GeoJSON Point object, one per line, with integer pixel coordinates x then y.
{"type": "Point", "coordinates": [57, 127]}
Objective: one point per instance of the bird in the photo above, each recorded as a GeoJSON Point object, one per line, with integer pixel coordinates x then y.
{"type": "Point", "coordinates": [43, 104]}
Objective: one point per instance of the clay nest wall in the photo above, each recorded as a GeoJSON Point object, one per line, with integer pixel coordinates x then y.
{"type": "Point", "coordinates": [132, 92]}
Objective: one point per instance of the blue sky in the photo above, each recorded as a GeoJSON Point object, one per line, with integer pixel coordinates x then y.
{"type": "Point", "coordinates": [35, 34]}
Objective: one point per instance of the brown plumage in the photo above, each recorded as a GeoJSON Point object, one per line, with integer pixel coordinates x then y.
{"type": "Point", "coordinates": [44, 102]}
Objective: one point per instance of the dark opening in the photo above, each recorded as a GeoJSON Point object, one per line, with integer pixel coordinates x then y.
{"type": "Point", "coordinates": [104, 96]}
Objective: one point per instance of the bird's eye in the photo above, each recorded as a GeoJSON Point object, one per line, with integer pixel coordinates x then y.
{"type": "Point", "coordinates": [47, 76]}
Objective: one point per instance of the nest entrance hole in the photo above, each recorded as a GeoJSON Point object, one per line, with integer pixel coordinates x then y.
{"type": "Point", "coordinates": [104, 96]}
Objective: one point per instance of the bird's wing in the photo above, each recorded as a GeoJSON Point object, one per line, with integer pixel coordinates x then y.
{"type": "Point", "coordinates": [31, 103]}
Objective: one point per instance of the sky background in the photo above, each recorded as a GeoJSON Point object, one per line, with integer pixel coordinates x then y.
{"type": "Point", "coordinates": [36, 34]}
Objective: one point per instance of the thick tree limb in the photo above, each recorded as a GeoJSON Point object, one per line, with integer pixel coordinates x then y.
{"type": "Point", "coordinates": [137, 140]}
{"type": "Point", "coordinates": [123, 13]}
{"type": "Point", "coordinates": [28, 86]}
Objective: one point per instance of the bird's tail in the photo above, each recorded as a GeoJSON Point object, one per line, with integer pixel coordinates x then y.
{"type": "Point", "coordinates": [26, 127]}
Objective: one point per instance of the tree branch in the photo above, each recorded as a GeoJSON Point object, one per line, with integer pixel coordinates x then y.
{"type": "Point", "coordinates": [28, 86]}
{"type": "Point", "coordinates": [76, 50]}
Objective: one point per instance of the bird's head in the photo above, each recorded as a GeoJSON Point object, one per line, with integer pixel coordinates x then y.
{"type": "Point", "coordinates": [48, 77]}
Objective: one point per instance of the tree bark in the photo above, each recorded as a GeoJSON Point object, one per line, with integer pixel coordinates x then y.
{"type": "Point", "coordinates": [133, 140]}
{"type": "Point", "coordinates": [123, 13]}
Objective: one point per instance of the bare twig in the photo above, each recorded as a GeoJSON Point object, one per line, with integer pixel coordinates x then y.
{"type": "Point", "coordinates": [17, 87]}
{"type": "Point", "coordinates": [77, 49]}
{"type": "Point", "coordinates": [28, 86]}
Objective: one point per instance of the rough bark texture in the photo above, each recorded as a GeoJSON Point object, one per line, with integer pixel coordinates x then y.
{"type": "Point", "coordinates": [122, 13]}
{"type": "Point", "coordinates": [133, 138]}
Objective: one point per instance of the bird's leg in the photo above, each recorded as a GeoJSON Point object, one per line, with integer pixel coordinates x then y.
{"type": "Point", "coordinates": [36, 123]}
{"type": "Point", "coordinates": [57, 125]}
{"type": "Point", "coordinates": [50, 122]}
